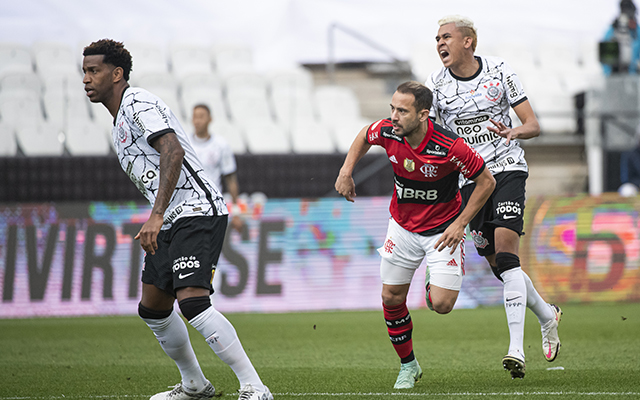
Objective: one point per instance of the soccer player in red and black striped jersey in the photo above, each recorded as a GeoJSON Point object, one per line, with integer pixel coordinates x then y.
{"type": "Point", "coordinates": [427, 220]}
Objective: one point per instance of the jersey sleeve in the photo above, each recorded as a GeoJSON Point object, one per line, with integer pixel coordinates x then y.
{"type": "Point", "coordinates": [374, 135]}
{"type": "Point", "coordinates": [513, 85]}
{"type": "Point", "coordinates": [466, 159]}
{"type": "Point", "coordinates": [150, 114]}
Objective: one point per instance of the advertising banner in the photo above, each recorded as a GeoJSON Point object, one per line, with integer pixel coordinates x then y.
{"type": "Point", "coordinates": [302, 255]}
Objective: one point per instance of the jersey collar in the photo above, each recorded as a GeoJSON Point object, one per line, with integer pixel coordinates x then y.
{"type": "Point", "coordinates": [472, 77]}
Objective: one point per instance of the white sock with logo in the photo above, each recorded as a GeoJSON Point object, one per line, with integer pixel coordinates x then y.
{"type": "Point", "coordinates": [515, 302]}
{"type": "Point", "coordinates": [536, 303]}
{"type": "Point", "coordinates": [173, 337]}
{"type": "Point", "coordinates": [223, 340]}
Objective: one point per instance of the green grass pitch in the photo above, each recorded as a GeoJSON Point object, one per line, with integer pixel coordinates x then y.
{"type": "Point", "coordinates": [335, 355]}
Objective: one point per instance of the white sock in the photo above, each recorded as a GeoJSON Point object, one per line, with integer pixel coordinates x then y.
{"type": "Point", "coordinates": [223, 339]}
{"type": "Point", "coordinates": [515, 302]}
{"type": "Point", "coordinates": [536, 303]}
{"type": "Point", "coordinates": [173, 337]}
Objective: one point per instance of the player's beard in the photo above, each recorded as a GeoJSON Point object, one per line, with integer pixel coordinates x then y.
{"type": "Point", "coordinates": [408, 129]}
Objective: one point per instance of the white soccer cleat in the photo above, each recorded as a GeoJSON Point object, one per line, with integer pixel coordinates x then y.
{"type": "Point", "coordinates": [248, 392]}
{"type": "Point", "coordinates": [178, 393]}
{"type": "Point", "coordinates": [515, 366]}
{"type": "Point", "coordinates": [550, 339]}
{"type": "Point", "coordinates": [409, 374]}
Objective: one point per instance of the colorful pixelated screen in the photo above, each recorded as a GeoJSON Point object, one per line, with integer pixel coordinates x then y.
{"type": "Point", "coordinates": [301, 255]}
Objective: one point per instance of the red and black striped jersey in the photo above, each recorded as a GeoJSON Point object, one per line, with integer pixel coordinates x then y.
{"type": "Point", "coordinates": [426, 197]}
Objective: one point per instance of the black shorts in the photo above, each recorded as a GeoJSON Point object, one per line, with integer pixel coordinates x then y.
{"type": "Point", "coordinates": [187, 254]}
{"type": "Point", "coordinates": [504, 208]}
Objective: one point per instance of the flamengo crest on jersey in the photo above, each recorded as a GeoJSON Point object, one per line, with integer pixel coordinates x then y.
{"type": "Point", "coordinates": [464, 105]}
{"type": "Point", "coordinates": [426, 194]}
{"type": "Point", "coordinates": [143, 117]}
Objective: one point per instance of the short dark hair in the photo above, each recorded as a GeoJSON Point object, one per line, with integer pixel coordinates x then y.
{"type": "Point", "coordinates": [421, 93]}
{"type": "Point", "coordinates": [203, 106]}
{"type": "Point", "coordinates": [114, 53]}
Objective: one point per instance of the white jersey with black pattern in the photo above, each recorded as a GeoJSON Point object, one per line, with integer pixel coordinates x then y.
{"type": "Point", "coordinates": [465, 105]}
{"type": "Point", "coordinates": [143, 117]}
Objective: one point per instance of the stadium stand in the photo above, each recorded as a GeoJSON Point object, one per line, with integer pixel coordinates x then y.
{"type": "Point", "coordinates": [14, 58]}
{"type": "Point", "coordinates": [189, 59]}
{"type": "Point", "coordinates": [8, 146]}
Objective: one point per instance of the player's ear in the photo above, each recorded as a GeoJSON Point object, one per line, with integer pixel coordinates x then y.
{"type": "Point", "coordinates": [118, 74]}
{"type": "Point", "coordinates": [424, 115]}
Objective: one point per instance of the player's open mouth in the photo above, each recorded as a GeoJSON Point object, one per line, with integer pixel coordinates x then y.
{"type": "Point", "coordinates": [89, 91]}
{"type": "Point", "coordinates": [443, 54]}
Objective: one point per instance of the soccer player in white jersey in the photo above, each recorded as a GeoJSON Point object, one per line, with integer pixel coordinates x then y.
{"type": "Point", "coordinates": [472, 97]}
{"type": "Point", "coordinates": [217, 158]}
{"type": "Point", "coordinates": [182, 237]}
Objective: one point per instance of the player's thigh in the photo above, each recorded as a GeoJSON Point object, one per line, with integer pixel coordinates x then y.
{"type": "Point", "coordinates": [445, 270]}
{"type": "Point", "coordinates": [401, 255]}
{"type": "Point", "coordinates": [195, 249]}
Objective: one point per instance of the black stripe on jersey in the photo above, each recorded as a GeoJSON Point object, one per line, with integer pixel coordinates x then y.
{"type": "Point", "coordinates": [200, 183]}
{"type": "Point", "coordinates": [409, 191]}
{"type": "Point", "coordinates": [522, 100]}
{"type": "Point", "coordinates": [388, 132]}
{"type": "Point", "coordinates": [156, 135]}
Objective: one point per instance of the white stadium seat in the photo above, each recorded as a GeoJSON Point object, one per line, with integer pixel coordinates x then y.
{"type": "Point", "coordinates": [310, 136]}
{"type": "Point", "coordinates": [190, 59]}
{"type": "Point", "coordinates": [291, 107]}
{"type": "Point", "coordinates": [14, 58]}
{"type": "Point", "coordinates": [199, 80]}
{"type": "Point", "coordinates": [147, 58]}
{"type": "Point", "coordinates": [21, 81]}
{"type": "Point", "coordinates": [291, 81]}
{"type": "Point", "coordinates": [266, 137]}
{"type": "Point", "coordinates": [244, 80]}
{"type": "Point", "coordinates": [232, 134]}
{"type": "Point", "coordinates": [86, 138]}
{"type": "Point", "coordinates": [229, 57]}
{"type": "Point", "coordinates": [40, 139]}
{"type": "Point", "coordinates": [54, 57]}
{"type": "Point", "coordinates": [248, 106]}
{"type": "Point", "coordinates": [21, 107]}
{"type": "Point", "coordinates": [8, 146]}
{"type": "Point", "coordinates": [212, 98]}
{"type": "Point", "coordinates": [337, 104]}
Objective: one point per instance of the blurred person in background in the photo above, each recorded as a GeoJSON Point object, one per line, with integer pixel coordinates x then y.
{"type": "Point", "coordinates": [217, 158]}
{"type": "Point", "coordinates": [630, 170]}
{"type": "Point", "coordinates": [472, 96]}
{"type": "Point", "coordinates": [184, 233]}
{"type": "Point", "coordinates": [624, 32]}
{"type": "Point", "coordinates": [427, 221]}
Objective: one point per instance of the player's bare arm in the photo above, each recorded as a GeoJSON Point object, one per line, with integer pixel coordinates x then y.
{"type": "Point", "coordinates": [171, 156]}
{"type": "Point", "coordinates": [344, 183]}
{"type": "Point", "coordinates": [530, 127]}
{"type": "Point", "coordinates": [485, 183]}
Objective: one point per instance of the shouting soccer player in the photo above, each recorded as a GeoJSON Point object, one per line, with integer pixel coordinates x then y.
{"type": "Point", "coordinates": [427, 220]}
{"type": "Point", "coordinates": [184, 233]}
{"type": "Point", "coordinates": [472, 97]}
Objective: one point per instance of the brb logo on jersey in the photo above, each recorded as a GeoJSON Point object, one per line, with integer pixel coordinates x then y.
{"type": "Point", "coordinates": [494, 92]}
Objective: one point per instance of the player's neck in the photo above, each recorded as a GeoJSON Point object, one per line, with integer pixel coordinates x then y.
{"type": "Point", "coordinates": [113, 104]}
{"type": "Point", "coordinates": [468, 67]}
{"type": "Point", "coordinates": [416, 137]}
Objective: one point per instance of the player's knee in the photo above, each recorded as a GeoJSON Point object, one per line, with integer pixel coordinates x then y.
{"type": "Point", "coordinates": [193, 306]}
{"type": "Point", "coordinates": [392, 299]}
{"type": "Point", "coordinates": [505, 262]}
{"type": "Point", "coordinates": [443, 305]}
{"type": "Point", "coordinates": [147, 313]}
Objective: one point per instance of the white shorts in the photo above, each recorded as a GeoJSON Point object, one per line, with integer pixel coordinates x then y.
{"type": "Point", "coordinates": [403, 252]}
